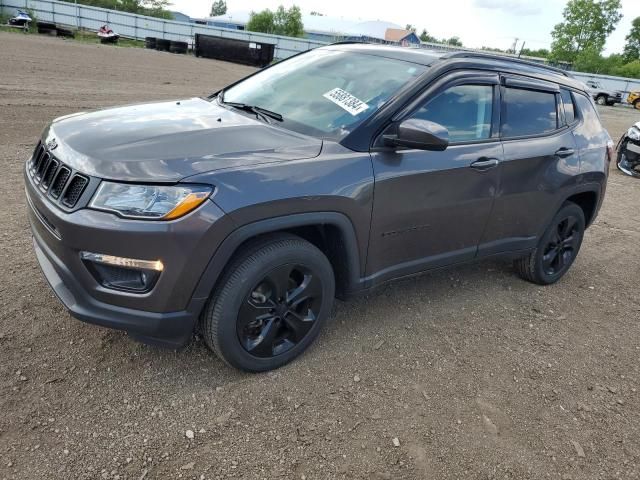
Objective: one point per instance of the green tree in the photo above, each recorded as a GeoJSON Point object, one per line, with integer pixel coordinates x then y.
{"type": "Point", "coordinates": [540, 52]}
{"type": "Point", "coordinates": [410, 27]}
{"type": "Point", "coordinates": [153, 8]}
{"type": "Point", "coordinates": [219, 7]}
{"type": "Point", "coordinates": [261, 22]}
{"type": "Point", "coordinates": [586, 26]}
{"type": "Point", "coordinates": [629, 70]}
{"type": "Point", "coordinates": [632, 47]}
{"type": "Point", "coordinates": [455, 41]}
{"type": "Point", "coordinates": [281, 22]}
{"type": "Point", "coordinates": [425, 37]}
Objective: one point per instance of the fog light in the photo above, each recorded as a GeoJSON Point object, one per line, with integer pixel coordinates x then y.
{"type": "Point", "coordinates": [122, 261]}
{"type": "Point", "coordinates": [121, 273]}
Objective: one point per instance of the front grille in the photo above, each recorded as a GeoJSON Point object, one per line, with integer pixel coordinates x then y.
{"type": "Point", "coordinates": [49, 172]}
{"type": "Point", "coordinates": [59, 182]}
{"type": "Point", "coordinates": [74, 190]}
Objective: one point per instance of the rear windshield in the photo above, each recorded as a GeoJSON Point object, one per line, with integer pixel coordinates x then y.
{"type": "Point", "coordinates": [325, 93]}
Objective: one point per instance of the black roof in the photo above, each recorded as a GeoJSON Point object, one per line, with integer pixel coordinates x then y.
{"type": "Point", "coordinates": [470, 59]}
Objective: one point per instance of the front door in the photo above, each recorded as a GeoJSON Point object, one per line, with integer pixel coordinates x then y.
{"type": "Point", "coordinates": [430, 208]}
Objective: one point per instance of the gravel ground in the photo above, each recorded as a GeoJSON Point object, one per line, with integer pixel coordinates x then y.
{"type": "Point", "coordinates": [465, 373]}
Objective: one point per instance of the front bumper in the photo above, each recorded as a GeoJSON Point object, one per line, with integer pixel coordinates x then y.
{"type": "Point", "coordinates": [165, 315]}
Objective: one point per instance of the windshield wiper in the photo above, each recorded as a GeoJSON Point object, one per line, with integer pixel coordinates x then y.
{"type": "Point", "coordinates": [256, 110]}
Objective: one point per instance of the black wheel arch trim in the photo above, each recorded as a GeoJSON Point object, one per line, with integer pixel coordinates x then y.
{"type": "Point", "coordinates": [235, 239]}
{"type": "Point", "coordinates": [583, 188]}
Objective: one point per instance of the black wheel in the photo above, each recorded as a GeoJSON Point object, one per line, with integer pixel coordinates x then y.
{"type": "Point", "coordinates": [601, 99]}
{"type": "Point", "coordinates": [557, 248]}
{"type": "Point", "coordinates": [162, 44]}
{"type": "Point", "coordinates": [636, 104]}
{"type": "Point", "coordinates": [270, 304]}
{"type": "Point", "coordinates": [178, 47]}
{"type": "Point", "coordinates": [150, 42]}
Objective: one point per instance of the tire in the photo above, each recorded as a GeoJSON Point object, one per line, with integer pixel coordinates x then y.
{"type": "Point", "coordinates": [601, 100]}
{"type": "Point", "coordinates": [178, 47]}
{"type": "Point", "coordinates": [150, 42]}
{"type": "Point", "coordinates": [46, 28]}
{"type": "Point", "coordinates": [564, 237]}
{"type": "Point", "coordinates": [246, 324]}
{"type": "Point", "coordinates": [636, 104]}
{"type": "Point", "coordinates": [162, 44]}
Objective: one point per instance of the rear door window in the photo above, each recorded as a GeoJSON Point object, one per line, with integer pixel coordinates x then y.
{"type": "Point", "coordinates": [528, 112]}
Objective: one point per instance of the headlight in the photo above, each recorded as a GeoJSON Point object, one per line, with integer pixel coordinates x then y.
{"type": "Point", "coordinates": [148, 201]}
{"type": "Point", "coordinates": [634, 134]}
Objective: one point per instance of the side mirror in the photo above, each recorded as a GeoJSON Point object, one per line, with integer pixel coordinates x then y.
{"type": "Point", "coordinates": [419, 134]}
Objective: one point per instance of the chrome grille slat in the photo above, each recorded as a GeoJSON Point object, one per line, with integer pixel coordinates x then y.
{"type": "Point", "coordinates": [60, 181]}
{"type": "Point", "coordinates": [42, 165]}
{"type": "Point", "coordinates": [74, 190]}
{"type": "Point", "coordinates": [49, 173]}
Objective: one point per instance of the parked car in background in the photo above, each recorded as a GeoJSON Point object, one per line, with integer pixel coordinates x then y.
{"type": "Point", "coordinates": [601, 95]}
{"type": "Point", "coordinates": [329, 173]}
{"type": "Point", "coordinates": [634, 99]}
{"type": "Point", "coordinates": [629, 151]}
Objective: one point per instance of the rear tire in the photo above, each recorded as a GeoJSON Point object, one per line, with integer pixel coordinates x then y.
{"type": "Point", "coordinates": [557, 248]}
{"type": "Point", "coordinates": [270, 304]}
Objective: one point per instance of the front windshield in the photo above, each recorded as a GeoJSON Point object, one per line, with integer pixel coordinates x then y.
{"type": "Point", "coordinates": [325, 93]}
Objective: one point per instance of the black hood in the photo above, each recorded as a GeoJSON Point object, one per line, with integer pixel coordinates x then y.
{"type": "Point", "coordinates": [168, 141]}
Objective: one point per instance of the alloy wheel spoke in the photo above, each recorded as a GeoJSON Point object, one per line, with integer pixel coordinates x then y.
{"type": "Point", "coordinates": [279, 280]}
{"type": "Point", "coordinates": [309, 288]}
{"type": "Point", "coordinates": [299, 324]}
{"type": "Point", "coordinates": [250, 311]}
{"type": "Point", "coordinates": [262, 345]}
{"type": "Point", "coordinates": [549, 258]}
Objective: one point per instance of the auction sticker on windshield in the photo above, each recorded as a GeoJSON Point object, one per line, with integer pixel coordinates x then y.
{"type": "Point", "coordinates": [346, 101]}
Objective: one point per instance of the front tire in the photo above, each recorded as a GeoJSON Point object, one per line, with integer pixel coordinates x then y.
{"type": "Point", "coordinates": [636, 104]}
{"type": "Point", "coordinates": [270, 304]}
{"type": "Point", "coordinates": [601, 100]}
{"type": "Point", "coordinates": [557, 248]}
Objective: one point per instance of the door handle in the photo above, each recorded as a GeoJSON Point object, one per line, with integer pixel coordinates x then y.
{"type": "Point", "coordinates": [565, 152]}
{"type": "Point", "coordinates": [484, 163]}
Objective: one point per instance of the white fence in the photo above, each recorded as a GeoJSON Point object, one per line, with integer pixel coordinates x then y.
{"type": "Point", "coordinates": [139, 26]}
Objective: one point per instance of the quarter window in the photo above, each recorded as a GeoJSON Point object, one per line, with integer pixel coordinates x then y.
{"type": "Point", "coordinates": [465, 110]}
{"type": "Point", "coordinates": [528, 112]}
{"type": "Point", "coordinates": [569, 109]}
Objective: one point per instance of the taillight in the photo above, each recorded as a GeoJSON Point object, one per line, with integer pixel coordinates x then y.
{"type": "Point", "coordinates": [610, 150]}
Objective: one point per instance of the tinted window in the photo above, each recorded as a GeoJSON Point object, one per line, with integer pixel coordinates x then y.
{"type": "Point", "coordinates": [528, 112]}
{"type": "Point", "coordinates": [464, 109]}
{"type": "Point", "coordinates": [569, 111]}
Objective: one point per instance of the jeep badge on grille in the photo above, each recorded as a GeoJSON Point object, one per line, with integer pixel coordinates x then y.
{"type": "Point", "coordinates": [52, 144]}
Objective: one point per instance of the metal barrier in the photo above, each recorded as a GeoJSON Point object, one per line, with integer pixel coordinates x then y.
{"type": "Point", "coordinates": [140, 26]}
{"type": "Point", "coordinates": [135, 26]}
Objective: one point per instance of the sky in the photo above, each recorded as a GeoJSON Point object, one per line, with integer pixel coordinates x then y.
{"type": "Point", "coordinates": [478, 23]}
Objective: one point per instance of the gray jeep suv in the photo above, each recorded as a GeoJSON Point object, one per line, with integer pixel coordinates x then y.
{"type": "Point", "coordinates": [245, 213]}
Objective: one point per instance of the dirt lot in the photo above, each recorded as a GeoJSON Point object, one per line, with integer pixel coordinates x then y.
{"type": "Point", "coordinates": [478, 374]}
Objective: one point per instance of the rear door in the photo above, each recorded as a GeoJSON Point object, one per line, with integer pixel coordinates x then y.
{"type": "Point", "coordinates": [540, 161]}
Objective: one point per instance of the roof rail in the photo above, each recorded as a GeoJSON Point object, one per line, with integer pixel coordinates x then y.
{"type": "Point", "coordinates": [347, 42]}
{"type": "Point", "coordinates": [491, 56]}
